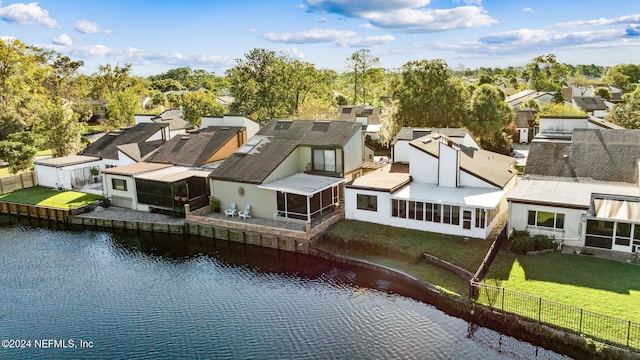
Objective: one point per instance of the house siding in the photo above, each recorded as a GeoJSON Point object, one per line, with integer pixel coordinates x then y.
{"type": "Point", "coordinates": [263, 202]}
{"type": "Point", "coordinates": [571, 234]}
{"type": "Point", "coordinates": [351, 161]}
{"type": "Point", "coordinates": [427, 171]}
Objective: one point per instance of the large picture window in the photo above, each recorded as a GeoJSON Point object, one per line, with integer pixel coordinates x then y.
{"type": "Point", "coordinates": [327, 160]}
{"type": "Point", "coordinates": [481, 217]}
{"type": "Point", "coordinates": [367, 202]}
{"type": "Point", "coordinates": [546, 219]}
{"type": "Point", "coordinates": [599, 234]}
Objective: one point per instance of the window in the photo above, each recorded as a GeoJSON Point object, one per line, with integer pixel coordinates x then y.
{"type": "Point", "coordinates": [451, 214]}
{"type": "Point", "coordinates": [545, 219]}
{"type": "Point", "coordinates": [466, 219]}
{"type": "Point", "coordinates": [367, 202]}
{"type": "Point", "coordinates": [623, 234]}
{"type": "Point", "coordinates": [399, 208]}
{"type": "Point", "coordinates": [119, 184]}
{"type": "Point", "coordinates": [436, 212]}
{"type": "Point", "coordinates": [327, 160]}
{"type": "Point", "coordinates": [480, 218]}
{"type": "Point", "coordinates": [599, 234]}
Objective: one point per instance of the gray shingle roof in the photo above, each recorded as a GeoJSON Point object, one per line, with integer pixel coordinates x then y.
{"type": "Point", "coordinates": [106, 147]}
{"type": "Point", "coordinates": [597, 154]}
{"type": "Point", "coordinates": [412, 133]}
{"type": "Point", "coordinates": [193, 149]}
{"type": "Point", "coordinates": [589, 103]}
{"type": "Point", "coordinates": [491, 167]}
{"type": "Point", "coordinates": [278, 139]}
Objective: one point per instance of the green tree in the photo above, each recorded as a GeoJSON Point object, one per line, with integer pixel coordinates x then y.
{"type": "Point", "coordinates": [10, 122]}
{"type": "Point", "coordinates": [255, 82]}
{"type": "Point", "coordinates": [546, 74]}
{"type": "Point", "coordinates": [122, 108]}
{"type": "Point", "coordinates": [197, 104]}
{"type": "Point", "coordinates": [555, 109]}
{"type": "Point", "coordinates": [627, 114]}
{"type": "Point", "coordinates": [532, 104]}
{"type": "Point", "coordinates": [623, 76]}
{"type": "Point", "coordinates": [428, 97]}
{"type": "Point", "coordinates": [19, 150]}
{"type": "Point", "coordinates": [59, 128]}
{"type": "Point", "coordinates": [164, 85]}
{"type": "Point", "coordinates": [109, 81]}
{"type": "Point", "coordinates": [317, 109]}
{"type": "Point", "coordinates": [360, 68]}
{"type": "Point", "coordinates": [389, 128]}
{"type": "Point", "coordinates": [489, 114]}
{"type": "Point", "coordinates": [603, 92]}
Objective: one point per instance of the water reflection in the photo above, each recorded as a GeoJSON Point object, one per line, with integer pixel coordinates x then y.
{"type": "Point", "coordinates": [143, 295]}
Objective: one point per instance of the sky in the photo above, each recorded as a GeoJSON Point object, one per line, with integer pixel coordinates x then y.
{"type": "Point", "coordinates": [155, 36]}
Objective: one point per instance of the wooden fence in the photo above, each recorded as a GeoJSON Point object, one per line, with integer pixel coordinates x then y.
{"type": "Point", "coordinates": [17, 182]}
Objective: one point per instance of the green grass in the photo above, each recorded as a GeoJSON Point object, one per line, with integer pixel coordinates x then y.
{"type": "Point", "coordinates": [600, 285]}
{"type": "Point", "coordinates": [47, 197]}
{"type": "Point", "coordinates": [4, 172]}
{"type": "Point", "coordinates": [402, 249]}
{"type": "Point", "coordinates": [44, 152]}
{"type": "Point", "coordinates": [92, 129]}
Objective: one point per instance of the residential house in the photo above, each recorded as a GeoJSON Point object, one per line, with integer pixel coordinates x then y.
{"type": "Point", "coordinates": [293, 169]}
{"type": "Point", "coordinates": [542, 97]}
{"type": "Point", "coordinates": [200, 147]}
{"type": "Point", "coordinates": [98, 109]}
{"type": "Point", "coordinates": [116, 148]}
{"type": "Point", "coordinates": [250, 125]}
{"type": "Point", "coordinates": [128, 145]}
{"type": "Point", "coordinates": [120, 187]}
{"type": "Point", "coordinates": [583, 97]}
{"type": "Point", "coordinates": [557, 127]}
{"type": "Point", "coordinates": [177, 125]}
{"type": "Point", "coordinates": [69, 172]}
{"type": "Point", "coordinates": [525, 125]}
{"type": "Point", "coordinates": [400, 145]}
{"type": "Point", "coordinates": [582, 190]}
{"type": "Point", "coordinates": [446, 187]}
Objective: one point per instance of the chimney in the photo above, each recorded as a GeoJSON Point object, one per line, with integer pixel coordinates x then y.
{"type": "Point", "coordinates": [448, 162]}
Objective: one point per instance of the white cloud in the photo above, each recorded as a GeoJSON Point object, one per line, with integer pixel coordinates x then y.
{"type": "Point", "coordinates": [310, 36]}
{"type": "Point", "coordinates": [7, 38]}
{"type": "Point", "coordinates": [88, 27]}
{"type": "Point", "coordinates": [419, 21]}
{"type": "Point", "coordinates": [63, 40]}
{"type": "Point", "coordinates": [293, 52]}
{"type": "Point", "coordinates": [252, 30]}
{"type": "Point", "coordinates": [528, 10]}
{"type": "Point", "coordinates": [23, 14]}
{"type": "Point", "coordinates": [368, 41]}
{"type": "Point", "coordinates": [322, 20]}
{"type": "Point", "coordinates": [366, 26]}
{"type": "Point", "coordinates": [409, 16]}
{"type": "Point", "coordinates": [628, 19]}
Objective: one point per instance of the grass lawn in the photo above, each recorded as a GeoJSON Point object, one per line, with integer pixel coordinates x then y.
{"type": "Point", "coordinates": [44, 152]}
{"type": "Point", "coordinates": [47, 197]}
{"type": "Point", "coordinates": [601, 285]}
{"type": "Point", "coordinates": [92, 129]}
{"type": "Point", "coordinates": [402, 249]}
{"type": "Point", "coordinates": [4, 172]}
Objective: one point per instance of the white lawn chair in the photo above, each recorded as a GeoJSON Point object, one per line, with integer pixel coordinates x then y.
{"type": "Point", "coordinates": [231, 211]}
{"type": "Point", "coordinates": [245, 213]}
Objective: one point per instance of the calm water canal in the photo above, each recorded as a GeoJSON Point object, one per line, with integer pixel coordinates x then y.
{"type": "Point", "coordinates": [122, 296]}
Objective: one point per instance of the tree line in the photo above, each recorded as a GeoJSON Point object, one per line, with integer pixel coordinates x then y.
{"type": "Point", "coordinates": [42, 94]}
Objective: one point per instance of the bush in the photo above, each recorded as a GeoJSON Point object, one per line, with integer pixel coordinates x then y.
{"type": "Point", "coordinates": [523, 243]}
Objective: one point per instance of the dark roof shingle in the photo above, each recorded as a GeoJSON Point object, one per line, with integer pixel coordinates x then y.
{"type": "Point", "coordinates": [276, 140]}
{"type": "Point", "coordinates": [194, 148]}
{"type": "Point", "coordinates": [597, 154]}
{"type": "Point", "coordinates": [106, 147]}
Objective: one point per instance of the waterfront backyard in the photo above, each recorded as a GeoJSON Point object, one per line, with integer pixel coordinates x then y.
{"type": "Point", "coordinates": [47, 197]}
{"type": "Point", "coordinates": [600, 285]}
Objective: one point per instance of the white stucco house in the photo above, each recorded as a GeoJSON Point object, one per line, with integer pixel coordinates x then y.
{"type": "Point", "coordinates": [400, 143]}
{"type": "Point", "coordinates": [69, 172]}
{"type": "Point", "coordinates": [582, 190]}
{"type": "Point", "coordinates": [446, 187]}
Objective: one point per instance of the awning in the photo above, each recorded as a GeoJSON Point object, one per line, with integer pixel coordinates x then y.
{"type": "Point", "coordinates": [617, 209]}
{"type": "Point", "coordinates": [173, 174]}
{"type": "Point", "coordinates": [302, 184]}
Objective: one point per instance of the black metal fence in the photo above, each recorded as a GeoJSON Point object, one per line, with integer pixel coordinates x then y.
{"type": "Point", "coordinates": [597, 326]}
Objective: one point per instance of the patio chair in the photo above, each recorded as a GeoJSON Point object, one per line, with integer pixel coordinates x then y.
{"type": "Point", "coordinates": [245, 213]}
{"type": "Point", "coordinates": [231, 211]}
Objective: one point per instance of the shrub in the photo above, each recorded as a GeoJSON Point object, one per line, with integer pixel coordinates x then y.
{"type": "Point", "coordinates": [523, 243]}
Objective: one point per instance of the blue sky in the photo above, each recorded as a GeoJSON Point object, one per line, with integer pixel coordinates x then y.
{"type": "Point", "coordinates": [155, 36]}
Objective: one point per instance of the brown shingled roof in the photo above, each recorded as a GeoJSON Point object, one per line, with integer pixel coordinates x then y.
{"type": "Point", "coordinates": [277, 140]}
{"type": "Point", "coordinates": [106, 147]}
{"type": "Point", "coordinates": [194, 148]}
{"type": "Point", "coordinates": [491, 167]}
